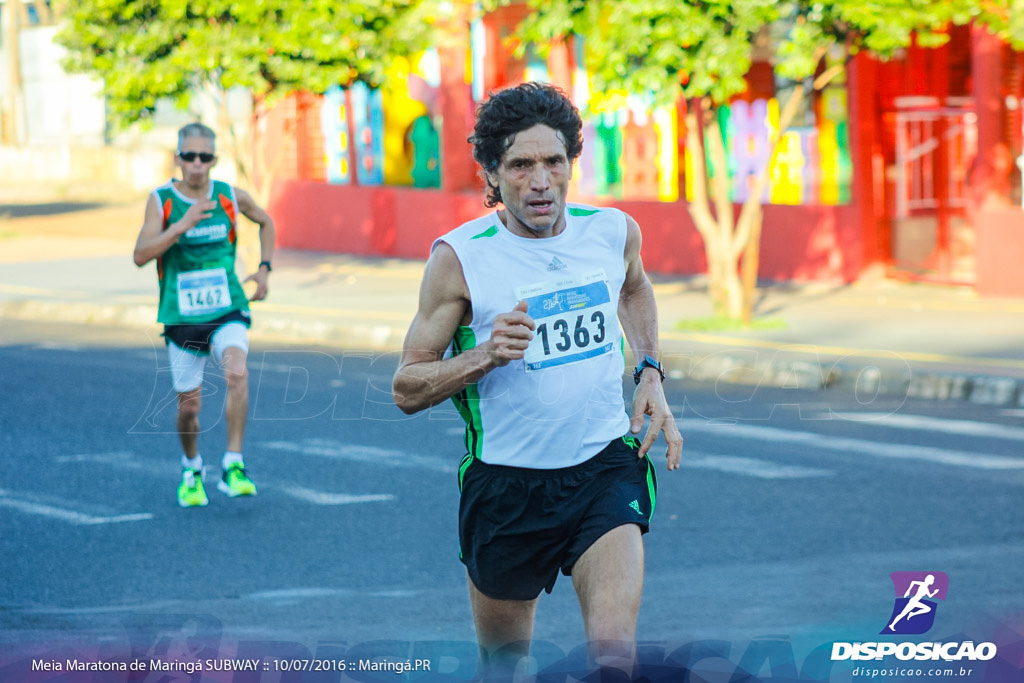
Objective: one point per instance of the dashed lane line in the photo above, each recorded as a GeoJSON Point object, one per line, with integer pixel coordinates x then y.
{"type": "Point", "coordinates": [825, 443]}
{"type": "Point", "coordinates": [66, 515]}
{"type": "Point", "coordinates": [323, 498]}
{"type": "Point", "coordinates": [751, 467]}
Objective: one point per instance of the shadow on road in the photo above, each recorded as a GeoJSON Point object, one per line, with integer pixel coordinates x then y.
{"type": "Point", "coordinates": [45, 209]}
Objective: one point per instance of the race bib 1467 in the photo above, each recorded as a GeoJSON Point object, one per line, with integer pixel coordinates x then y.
{"type": "Point", "coordinates": [576, 319]}
{"type": "Point", "coordinates": [203, 291]}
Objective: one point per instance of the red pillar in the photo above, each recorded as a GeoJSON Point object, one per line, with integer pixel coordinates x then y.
{"type": "Point", "coordinates": [867, 192]}
{"type": "Point", "coordinates": [560, 66]}
{"type": "Point", "coordinates": [458, 170]}
{"type": "Point", "coordinates": [941, 258]}
{"type": "Point", "coordinates": [987, 75]}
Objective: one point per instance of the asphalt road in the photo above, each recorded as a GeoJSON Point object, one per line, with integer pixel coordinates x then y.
{"type": "Point", "coordinates": [776, 538]}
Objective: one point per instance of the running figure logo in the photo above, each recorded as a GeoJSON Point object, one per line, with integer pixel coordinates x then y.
{"type": "Point", "coordinates": [914, 612]}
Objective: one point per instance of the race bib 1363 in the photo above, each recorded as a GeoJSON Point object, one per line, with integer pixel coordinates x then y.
{"type": "Point", "coordinates": [576, 319]}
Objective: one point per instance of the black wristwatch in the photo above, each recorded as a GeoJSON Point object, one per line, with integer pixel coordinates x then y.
{"type": "Point", "coordinates": [648, 362]}
{"type": "Point", "coordinates": [264, 263]}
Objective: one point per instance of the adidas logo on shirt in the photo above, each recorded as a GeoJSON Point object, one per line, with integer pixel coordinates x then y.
{"type": "Point", "coordinates": [557, 264]}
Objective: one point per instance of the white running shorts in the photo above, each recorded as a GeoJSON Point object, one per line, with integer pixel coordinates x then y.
{"type": "Point", "coordinates": [187, 368]}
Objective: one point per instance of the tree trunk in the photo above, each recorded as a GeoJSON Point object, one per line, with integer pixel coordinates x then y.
{"type": "Point", "coordinates": [45, 13]}
{"type": "Point", "coordinates": [751, 261]}
{"type": "Point", "coordinates": [257, 165]}
{"type": "Point", "coordinates": [728, 239]}
{"type": "Point", "coordinates": [13, 105]}
{"type": "Point", "coordinates": [727, 255]}
{"type": "Point", "coordinates": [700, 208]}
{"type": "Point", "coordinates": [752, 214]}
{"type": "Point", "coordinates": [238, 146]}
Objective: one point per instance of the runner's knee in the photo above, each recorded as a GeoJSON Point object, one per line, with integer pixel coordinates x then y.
{"type": "Point", "coordinates": [189, 404]}
{"type": "Point", "coordinates": [236, 373]}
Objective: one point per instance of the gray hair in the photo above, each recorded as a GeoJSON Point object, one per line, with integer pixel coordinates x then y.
{"type": "Point", "coordinates": [197, 130]}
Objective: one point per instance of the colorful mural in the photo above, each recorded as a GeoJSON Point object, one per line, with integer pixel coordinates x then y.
{"type": "Point", "coordinates": [632, 151]}
{"type": "Point", "coordinates": [811, 164]}
{"type": "Point", "coordinates": [394, 137]}
{"type": "Point", "coordinates": [368, 124]}
{"type": "Point", "coordinates": [334, 123]}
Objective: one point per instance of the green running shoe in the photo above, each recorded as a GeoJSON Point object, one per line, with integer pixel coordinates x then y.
{"type": "Point", "coordinates": [236, 482]}
{"type": "Point", "coordinates": [190, 491]}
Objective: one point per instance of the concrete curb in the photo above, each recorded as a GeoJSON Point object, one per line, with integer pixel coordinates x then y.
{"type": "Point", "coordinates": [283, 329]}
{"type": "Point", "coordinates": [866, 380]}
{"type": "Point", "coordinates": [79, 312]}
{"type": "Point", "coordinates": [794, 371]}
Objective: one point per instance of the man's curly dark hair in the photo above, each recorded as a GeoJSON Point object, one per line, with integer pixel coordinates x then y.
{"type": "Point", "coordinates": [514, 110]}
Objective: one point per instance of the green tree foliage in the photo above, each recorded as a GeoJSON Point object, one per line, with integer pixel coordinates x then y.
{"type": "Point", "coordinates": [145, 50]}
{"type": "Point", "coordinates": [701, 50]}
{"type": "Point", "coordinates": [148, 50]}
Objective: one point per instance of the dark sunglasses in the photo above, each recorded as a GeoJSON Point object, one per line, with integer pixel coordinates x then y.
{"type": "Point", "coordinates": [204, 157]}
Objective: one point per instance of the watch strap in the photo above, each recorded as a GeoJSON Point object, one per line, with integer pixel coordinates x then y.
{"type": "Point", "coordinates": [648, 362]}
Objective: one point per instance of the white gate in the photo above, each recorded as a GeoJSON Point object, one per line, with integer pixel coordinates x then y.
{"type": "Point", "coordinates": [935, 147]}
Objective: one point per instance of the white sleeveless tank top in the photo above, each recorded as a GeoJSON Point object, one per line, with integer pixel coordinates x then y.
{"type": "Point", "coordinates": [563, 403]}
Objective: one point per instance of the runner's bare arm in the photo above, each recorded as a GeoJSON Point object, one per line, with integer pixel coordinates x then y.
{"type": "Point", "coordinates": [258, 215]}
{"type": "Point", "coordinates": [268, 238]}
{"type": "Point", "coordinates": [638, 314]}
{"type": "Point", "coordinates": [153, 240]}
{"type": "Point", "coordinates": [424, 377]}
{"type": "Point", "coordinates": [638, 310]}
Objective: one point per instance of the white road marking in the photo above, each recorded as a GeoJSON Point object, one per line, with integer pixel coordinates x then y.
{"type": "Point", "coordinates": [323, 498]}
{"type": "Point", "coordinates": [776, 435]}
{"type": "Point", "coordinates": [128, 461]}
{"type": "Point", "coordinates": [123, 460]}
{"type": "Point", "coordinates": [294, 595]}
{"type": "Point", "coordinates": [336, 450]}
{"type": "Point", "coordinates": [944, 425]}
{"type": "Point", "coordinates": [750, 467]}
{"type": "Point", "coordinates": [65, 515]}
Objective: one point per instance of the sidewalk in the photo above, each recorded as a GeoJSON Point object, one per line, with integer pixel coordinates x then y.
{"type": "Point", "coordinates": [72, 262]}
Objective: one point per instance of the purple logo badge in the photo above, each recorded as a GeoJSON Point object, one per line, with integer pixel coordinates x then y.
{"type": "Point", "coordinates": [914, 611]}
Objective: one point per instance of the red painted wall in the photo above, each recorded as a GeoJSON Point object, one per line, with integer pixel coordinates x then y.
{"type": "Point", "coordinates": [801, 243]}
{"type": "Point", "coordinates": [999, 250]}
{"type": "Point", "coordinates": [367, 221]}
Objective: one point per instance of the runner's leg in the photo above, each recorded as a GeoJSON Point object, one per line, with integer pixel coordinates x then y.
{"type": "Point", "coordinates": [237, 376]}
{"type": "Point", "coordinates": [503, 630]}
{"type": "Point", "coordinates": [189, 403]}
{"type": "Point", "coordinates": [609, 580]}
{"type": "Point", "coordinates": [230, 346]}
{"type": "Point", "coordinates": [187, 379]}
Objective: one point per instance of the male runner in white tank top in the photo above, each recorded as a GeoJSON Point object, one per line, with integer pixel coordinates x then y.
{"type": "Point", "coordinates": [519, 324]}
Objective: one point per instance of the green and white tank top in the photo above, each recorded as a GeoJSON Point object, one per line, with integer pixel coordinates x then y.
{"type": "Point", "coordinates": [197, 276]}
{"type": "Point", "coordinates": [563, 403]}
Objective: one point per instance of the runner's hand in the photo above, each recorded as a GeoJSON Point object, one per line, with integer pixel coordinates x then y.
{"type": "Point", "coordinates": [649, 399]}
{"type": "Point", "coordinates": [199, 211]}
{"type": "Point", "coordinates": [262, 288]}
{"type": "Point", "coordinates": [511, 335]}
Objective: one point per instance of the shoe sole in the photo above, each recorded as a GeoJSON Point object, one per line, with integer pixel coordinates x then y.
{"type": "Point", "coordinates": [226, 490]}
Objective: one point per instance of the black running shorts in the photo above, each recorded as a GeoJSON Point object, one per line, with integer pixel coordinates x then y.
{"type": "Point", "coordinates": [196, 337]}
{"type": "Point", "coordinates": [519, 526]}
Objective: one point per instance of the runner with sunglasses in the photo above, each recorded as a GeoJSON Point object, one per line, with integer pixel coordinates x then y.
{"type": "Point", "coordinates": [190, 230]}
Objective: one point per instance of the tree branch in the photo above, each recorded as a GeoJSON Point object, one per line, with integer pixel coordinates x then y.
{"type": "Point", "coordinates": [700, 207]}
{"type": "Point", "coordinates": [753, 202]}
